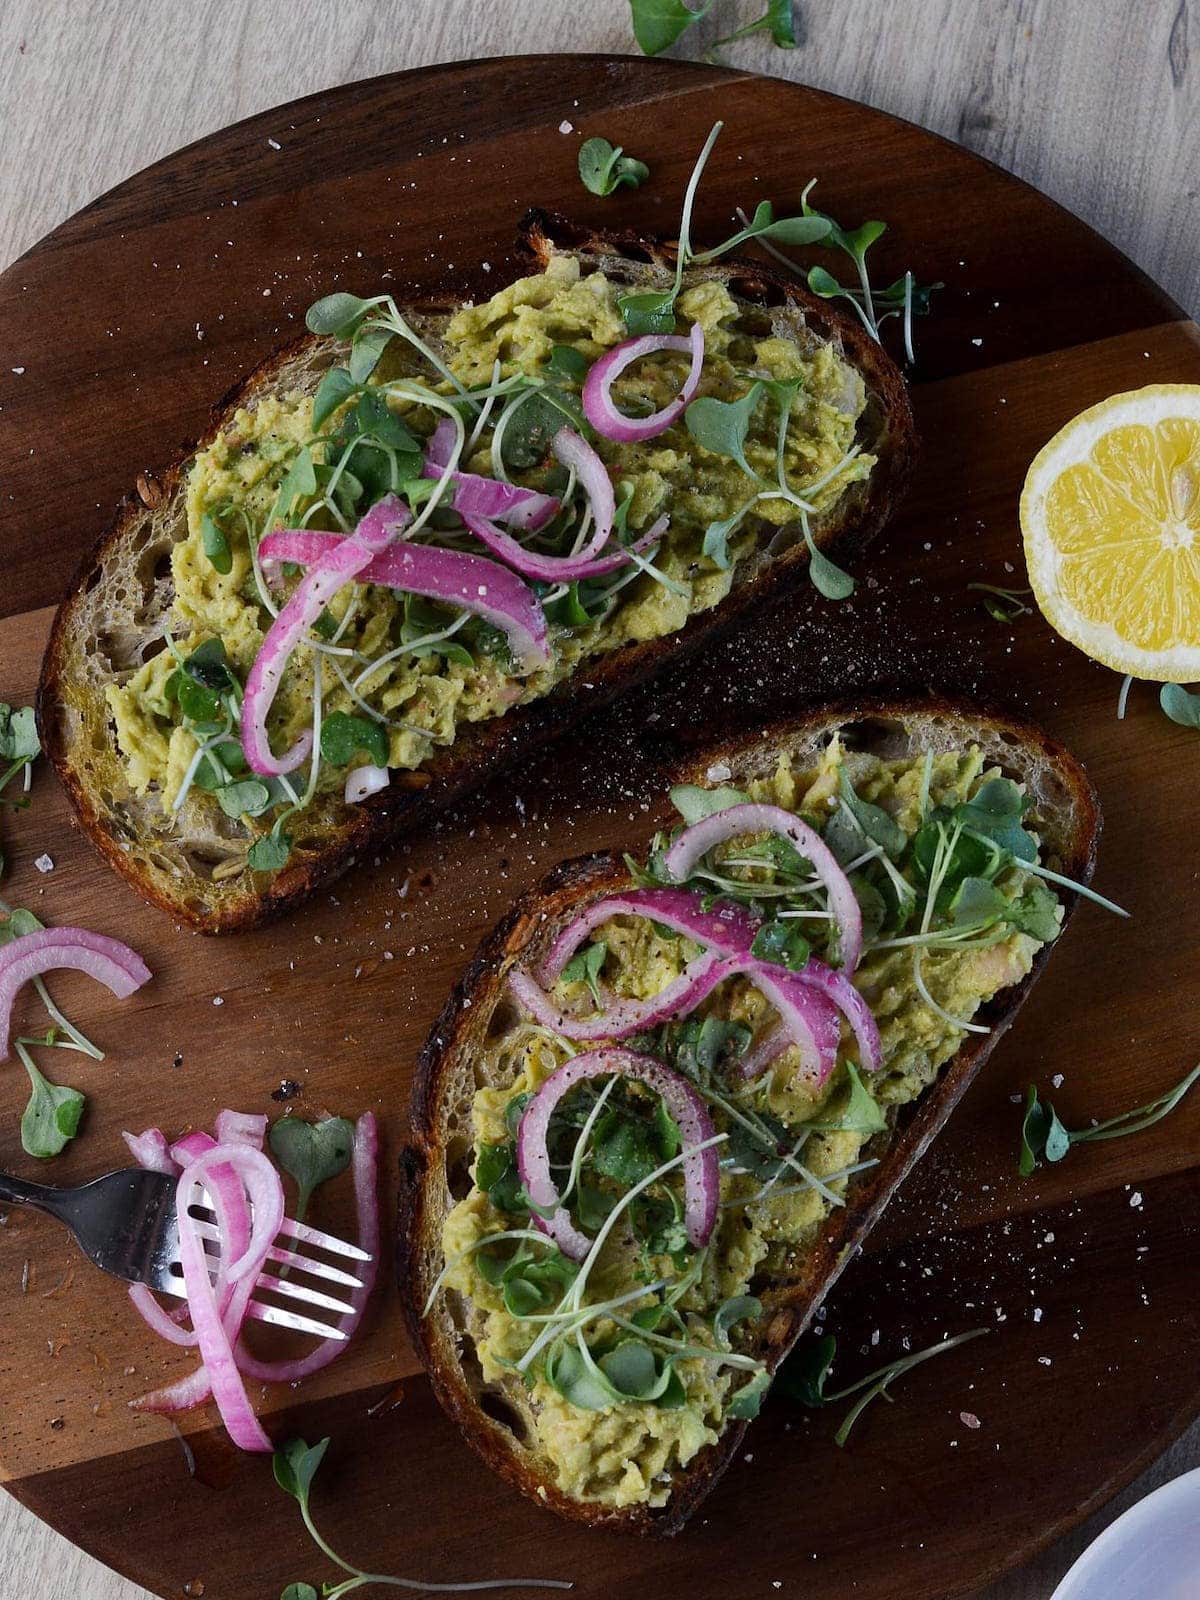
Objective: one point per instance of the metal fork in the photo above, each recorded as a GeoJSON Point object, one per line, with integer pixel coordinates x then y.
{"type": "Point", "coordinates": [126, 1223]}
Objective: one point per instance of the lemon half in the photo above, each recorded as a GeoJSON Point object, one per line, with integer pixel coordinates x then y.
{"type": "Point", "coordinates": [1110, 514]}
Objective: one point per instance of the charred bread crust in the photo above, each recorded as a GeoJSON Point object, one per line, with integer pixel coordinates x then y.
{"type": "Point", "coordinates": [1068, 803]}
{"type": "Point", "coordinates": [482, 749]}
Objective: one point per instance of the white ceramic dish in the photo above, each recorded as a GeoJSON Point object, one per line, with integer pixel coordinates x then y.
{"type": "Point", "coordinates": [1152, 1552]}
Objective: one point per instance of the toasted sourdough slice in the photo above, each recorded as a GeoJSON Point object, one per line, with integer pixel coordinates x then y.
{"type": "Point", "coordinates": [112, 619]}
{"type": "Point", "coordinates": [497, 1417]}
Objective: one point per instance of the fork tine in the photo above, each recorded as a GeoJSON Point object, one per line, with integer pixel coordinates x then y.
{"type": "Point", "coordinates": [288, 1319]}
{"type": "Point", "coordinates": [303, 1233]}
{"type": "Point", "coordinates": [323, 1241]}
{"type": "Point", "coordinates": [268, 1283]}
{"type": "Point", "coordinates": [276, 1315]}
{"type": "Point", "coordinates": [292, 1258]}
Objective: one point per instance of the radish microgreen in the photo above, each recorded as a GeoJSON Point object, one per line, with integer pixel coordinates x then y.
{"type": "Point", "coordinates": [584, 967]}
{"type": "Point", "coordinates": [51, 1119]}
{"type": "Point", "coordinates": [1045, 1138]}
{"type": "Point", "coordinates": [343, 737]}
{"type": "Point", "coordinates": [311, 1152]}
{"type": "Point", "coordinates": [214, 542]}
{"type": "Point", "coordinates": [1179, 705]}
{"type": "Point", "coordinates": [804, 1374]}
{"type": "Point", "coordinates": [1003, 605]}
{"type": "Point", "coordinates": [603, 167]}
{"type": "Point", "coordinates": [295, 1466]}
{"type": "Point", "coordinates": [19, 748]}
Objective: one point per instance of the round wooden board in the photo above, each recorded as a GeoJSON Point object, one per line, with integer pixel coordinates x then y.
{"type": "Point", "coordinates": [121, 329]}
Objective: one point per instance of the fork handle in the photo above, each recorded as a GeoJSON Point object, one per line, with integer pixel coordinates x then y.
{"type": "Point", "coordinates": [17, 1192]}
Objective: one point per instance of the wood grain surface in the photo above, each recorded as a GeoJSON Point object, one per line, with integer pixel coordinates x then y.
{"type": "Point", "coordinates": [1121, 305]}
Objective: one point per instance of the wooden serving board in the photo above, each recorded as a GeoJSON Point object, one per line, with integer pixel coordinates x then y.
{"type": "Point", "coordinates": [120, 329]}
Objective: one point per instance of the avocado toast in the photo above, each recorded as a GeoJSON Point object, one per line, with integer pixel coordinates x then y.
{"type": "Point", "coordinates": [152, 652]}
{"type": "Point", "coordinates": [672, 1093]}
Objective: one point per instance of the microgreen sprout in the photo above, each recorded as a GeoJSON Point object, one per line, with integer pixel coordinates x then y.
{"type": "Point", "coordinates": [19, 749]}
{"type": "Point", "coordinates": [1003, 605]}
{"type": "Point", "coordinates": [1179, 705]}
{"type": "Point", "coordinates": [803, 1376]}
{"type": "Point", "coordinates": [295, 1466]}
{"type": "Point", "coordinates": [603, 167]}
{"type": "Point", "coordinates": [1045, 1138]}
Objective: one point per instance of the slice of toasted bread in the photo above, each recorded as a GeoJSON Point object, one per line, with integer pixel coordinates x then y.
{"type": "Point", "coordinates": [435, 1167]}
{"type": "Point", "coordinates": [111, 622]}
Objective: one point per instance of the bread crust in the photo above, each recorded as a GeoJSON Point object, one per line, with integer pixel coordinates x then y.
{"type": "Point", "coordinates": [1065, 797]}
{"type": "Point", "coordinates": [74, 722]}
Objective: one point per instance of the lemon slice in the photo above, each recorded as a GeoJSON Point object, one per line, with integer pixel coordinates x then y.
{"type": "Point", "coordinates": [1110, 514]}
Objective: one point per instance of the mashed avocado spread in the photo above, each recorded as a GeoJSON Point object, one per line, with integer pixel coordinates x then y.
{"type": "Point", "coordinates": [619, 1387]}
{"type": "Point", "coordinates": [405, 673]}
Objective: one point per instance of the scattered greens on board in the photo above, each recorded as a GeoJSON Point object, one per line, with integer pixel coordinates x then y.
{"type": "Point", "coordinates": [603, 167]}
{"type": "Point", "coordinates": [658, 24]}
{"type": "Point", "coordinates": [1044, 1138]}
{"type": "Point", "coordinates": [803, 1376]}
{"type": "Point", "coordinates": [52, 1116]}
{"type": "Point", "coordinates": [311, 1152]}
{"type": "Point", "coordinates": [1003, 605]}
{"type": "Point", "coordinates": [1180, 705]}
{"type": "Point", "coordinates": [295, 1465]}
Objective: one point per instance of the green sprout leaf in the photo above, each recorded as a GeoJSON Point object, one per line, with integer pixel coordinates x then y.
{"type": "Point", "coordinates": [368, 344]}
{"type": "Point", "coordinates": [215, 544]}
{"type": "Point", "coordinates": [878, 825]}
{"type": "Point", "coordinates": [694, 803]}
{"type": "Point", "coordinates": [299, 481]}
{"type": "Point", "coordinates": [270, 852]}
{"type": "Point", "coordinates": [295, 1466]}
{"type": "Point", "coordinates": [299, 1591]}
{"type": "Point", "coordinates": [604, 167]}
{"type": "Point", "coordinates": [722, 426]}
{"type": "Point", "coordinates": [311, 1152]}
{"type": "Point", "coordinates": [1044, 1137]}
{"type": "Point", "coordinates": [51, 1119]}
{"type": "Point", "coordinates": [861, 1112]}
{"type": "Point", "coordinates": [747, 1401]}
{"type": "Point", "coordinates": [648, 311]}
{"type": "Point", "coordinates": [568, 363]}
{"type": "Point", "coordinates": [764, 224]}
{"type": "Point", "coordinates": [584, 967]}
{"type": "Point", "coordinates": [249, 797]}
{"type": "Point", "coordinates": [344, 736]}
{"type": "Point", "coordinates": [738, 1308]}
{"type": "Point", "coordinates": [1180, 705]}
{"type": "Point", "coordinates": [334, 389]}
{"type": "Point", "coordinates": [657, 24]}
{"type": "Point", "coordinates": [338, 314]}
{"type": "Point", "coordinates": [18, 734]}
{"type": "Point", "coordinates": [781, 942]}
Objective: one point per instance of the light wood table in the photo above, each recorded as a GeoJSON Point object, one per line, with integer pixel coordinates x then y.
{"type": "Point", "coordinates": [1094, 101]}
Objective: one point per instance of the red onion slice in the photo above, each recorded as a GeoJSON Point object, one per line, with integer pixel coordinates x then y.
{"type": "Point", "coordinates": [624, 1017]}
{"type": "Point", "coordinates": [151, 1150]}
{"type": "Point", "coordinates": [265, 1193]}
{"type": "Point", "coordinates": [240, 1127]}
{"type": "Point", "coordinates": [110, 962]}
{"type": "Point", "coordinates": [191, 1147]}
{"type": "Point", "coordinates": [728, 929]}
{"type": "Point", "coordinates": [701, 1174]}
{"type": "Point", "coordinates": [340, 563]}
{"type": "Point", "coordinates": [364, 782]}
{"type": "Point", "coordinates": [477, 496]}
{"type": "Point", "coordinates": [364, 1166]}
{"type": "Point", "coordinates": [600, 408]}
{"type": "Point", "coordinates": [558, 569]}
{"type": "Point", "coordinates": [808, 1020]}
{"type": "Point", "coordinates": [852, 1006]}
{"type": "Point", "coordinates": [478, 585]}
{"type": "Point", "coordinates": [700, 838]}
{"type": "Point", "coordinates": [248, 1201]}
